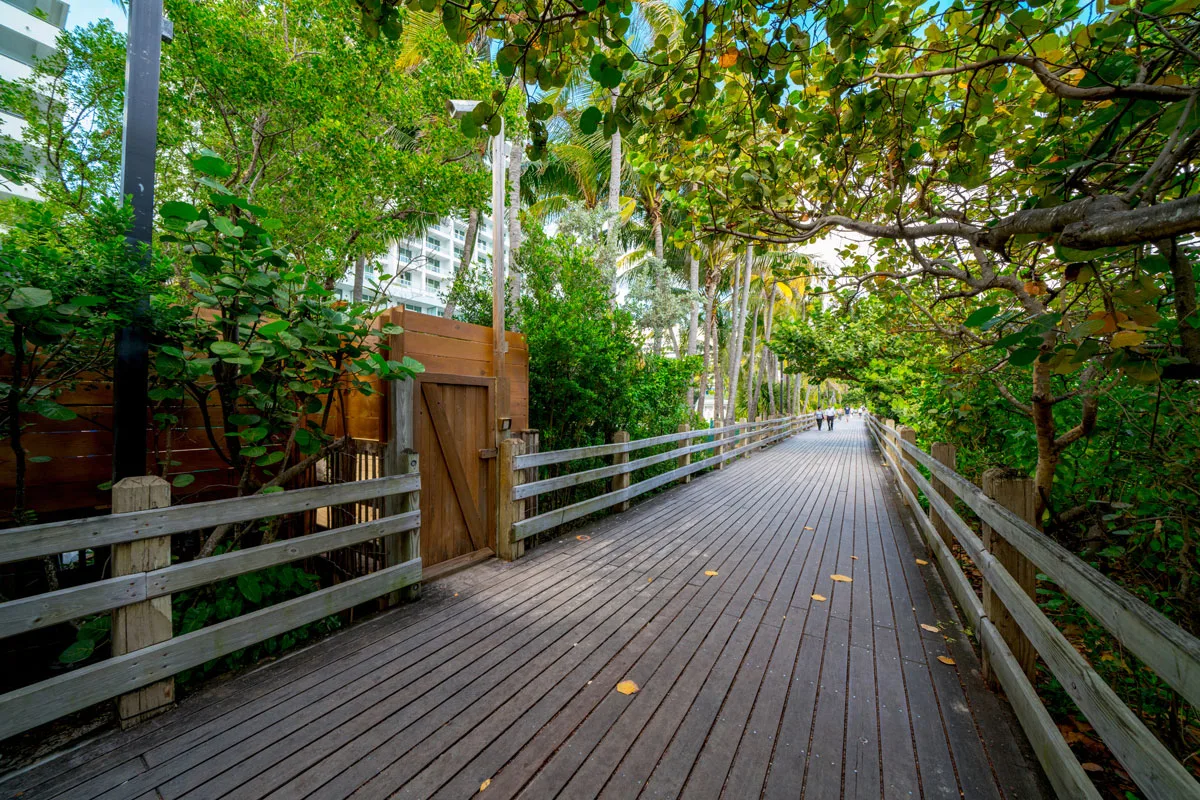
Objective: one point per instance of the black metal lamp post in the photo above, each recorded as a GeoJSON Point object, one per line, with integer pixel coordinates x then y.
{"type": "Point", "coordinates": [147, 30]}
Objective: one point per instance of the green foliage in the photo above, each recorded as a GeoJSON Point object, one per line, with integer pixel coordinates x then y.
{"type": "Point", "coordinates": [68, 282]}
{"type": "Point", "coordinates": [198, 608]}
{"type": "Point", "coordinates": [252, 327]}
{"type": "Point", "coordinates": [345, 137]}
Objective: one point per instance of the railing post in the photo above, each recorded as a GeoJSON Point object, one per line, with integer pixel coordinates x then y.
{"type": "Point", "coordinates": [532, 440]}
{"type": "Point", "coordinates": [508, 510]}
{"type": "Point", "coordinates": [945, 454]}
{"type": "Point", "coordinates": [142, 624]}
{"type": "Point", "coordinates": [909, 435]}
{"type": "Point", "coordinates": [890, 431]}
{"type": "Point", "coordinates": [623, 480]}
{"type": "Point", "coordinates": [404, 546]}
{"type": "Point", "coordinates": [685, 459]}
{"type": "Point", "coordinates": [719, 450]}
{"type": "Point", "coordinates": [1015, 492]}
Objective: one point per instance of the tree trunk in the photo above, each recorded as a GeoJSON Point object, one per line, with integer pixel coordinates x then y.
{"type": "Point", "coordinates": [360, 270]}
{"type": "Point", "coordinates": [710, 286]}
{"type": "Point", "coordinates": [752, 373]}
{"type": "Point", "coordinates": [464, 263]}
{"type": "Point", "coordinates": [718, 388]}
{"type": "Point", "coordinates": [1184, 277]}
{"type": "Point", "coordinates": [614, 166]}
{"type": "Point", "coordinates": [515, 236]}
{"type": "Point", "coordinates": [735, 354]}
{"type": "Point", "coordinates": [693, 309]}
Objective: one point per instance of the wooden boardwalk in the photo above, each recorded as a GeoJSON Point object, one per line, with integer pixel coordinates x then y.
{"type": "Point", "coordinates": [702, 596]}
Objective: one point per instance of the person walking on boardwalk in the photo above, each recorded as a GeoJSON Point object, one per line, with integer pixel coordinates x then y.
{"type": "Point", "coordinates": [820, 416]}
{"type": "Point", "coordinates": [829, 415]}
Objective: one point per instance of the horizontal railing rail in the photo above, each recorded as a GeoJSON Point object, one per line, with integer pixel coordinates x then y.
{"type": "Point", "coordinates": [614, 448]}
{"type": "Point", "coordinates": [31, 541]}
{"type": "Point", "coordinates": [1165, 647]}
{"type": "Point", "coordinates": [723, 439]}
{"type": "Point", "coordinates": [29, 706]}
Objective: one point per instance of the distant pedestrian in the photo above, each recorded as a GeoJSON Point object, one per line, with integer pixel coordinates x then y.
{"type": "Point", "coordinates": [820, 417]}
{"type": "Point", "coordinates": [847, 412]}
{"type": "Point", "coordinates": [830, 414]}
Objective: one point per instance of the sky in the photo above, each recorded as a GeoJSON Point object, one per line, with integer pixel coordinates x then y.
{"type": "Point", "coordinates": [85, 12]}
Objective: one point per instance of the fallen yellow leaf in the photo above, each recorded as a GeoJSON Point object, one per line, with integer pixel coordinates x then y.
{"type": "Point", "coordinates": [712, 573]}
{"type": "Point", "coordinates": [819, 598]}
{"type": "Point", "coordinates": [841, 578]}
{"type": "Point", "coordinates": [854, 558]}
{"type": "Point", "coordinates": [921, 562]}
{"type": "Point", "coordinates": [1092, 767]}
{"type": "Point", "coordinates": [930, 628]}
{"type": "Point", "coordinates": [807, 528]}
{"type": "Point", "coordinates": [583, 537]}
{"type": "Point", "coordinates": [485, 784]}
{"type": "Point", "coordinates": [627, 687]}
{"type": "Point", "coordinates": [946, 660]}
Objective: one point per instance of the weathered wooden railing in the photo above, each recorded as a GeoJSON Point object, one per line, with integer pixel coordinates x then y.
{"type": "Point", "coordinates": [729, 442]}
{"type": "Point", "coordinates": [1171, 652]}
{"type": "Point", "coordinates": [145, 654]}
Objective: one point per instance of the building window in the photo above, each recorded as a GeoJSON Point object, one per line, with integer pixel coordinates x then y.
{"type": "Point", "coordinates": [434, 266]}
{"type": "Point", "coordinates": [459, 233]}
{"type": "Point", "coordinates": [406, 279]}
{"type": "Point", "coordinates": [411, 307]}
{"type": "Point", "coordinates": [458, 254]}
{"type": "Point", "coordinates": [434, 285]}
{"type": "Point", "coordinates": [433, 243]}
{"type": "Point", "coordinates": [404, 253]}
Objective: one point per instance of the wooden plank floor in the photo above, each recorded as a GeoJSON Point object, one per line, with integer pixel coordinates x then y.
{"type": "Point", "coordinates": [703, 596]}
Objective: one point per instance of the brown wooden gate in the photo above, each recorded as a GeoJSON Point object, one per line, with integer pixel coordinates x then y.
{"type": "Point", "coordinates": [454, 433]}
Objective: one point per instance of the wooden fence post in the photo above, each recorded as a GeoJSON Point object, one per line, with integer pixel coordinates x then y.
{"type": "Point", "coordinates": [718, 450]}
{"type": "Point", "coordinates": [944, 454]}
{"type": "Point", "coordinates": [142, 624]}
{"type": "Point", "coordinates": [890, 426]}
{"type": "Point", "coordinates": [685, 459]}
{"type": "Point", "coordinates": [532, 440]}
{"type": "Point", "coordinates": [621, 481]}
{"type": "Point", "coordinates": [508, 510]}
{"type": "Point", "coordinates": [399, 458]}
{"type": "Point", "coordinates": [405, 546]}
{"type": "Point", "coordinates": [909, 435]}
{"type": "Point", "coordinates": [1014, 491]}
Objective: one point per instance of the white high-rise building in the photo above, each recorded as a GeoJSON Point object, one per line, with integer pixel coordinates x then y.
{"type": "Point", "coordinates": [28, 30]}
{"type": "Point", "coordinates": [424, 265]}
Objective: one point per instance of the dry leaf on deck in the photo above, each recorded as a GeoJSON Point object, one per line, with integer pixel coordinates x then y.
{"type": "Point", "coordinates": [841, 578]}
{"type": "Point", "coordinates": [627, 687]}
{"type": "Point", "coordinates": [807, 528]}
{"type": "Point", "coordinates": [854, 558]}
{"type": "Point", "coordinates": [712, 573]}
{"type": "Point", "coordinates": [1092, 767]}
{"type": "Point", "coordinates": [931, 628]}
{"type": "Point", "coordinates": [922, 562]}
{"type": "Point", "coordinates": [485, 784]}
{"type": "Point", "coordinates": [819, 597]}
{"type": "Point", "coordinates": [583, 537]}
{"type": "Point", "coordinates": [946, 660]}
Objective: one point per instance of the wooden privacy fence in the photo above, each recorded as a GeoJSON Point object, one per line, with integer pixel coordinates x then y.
{"type": "Point", "coordinates": [515, 465]}
{"type": "Point", "coordinates": [1008, 619]}
{"type": "Point", "coordinates": [145, 654]}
